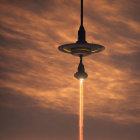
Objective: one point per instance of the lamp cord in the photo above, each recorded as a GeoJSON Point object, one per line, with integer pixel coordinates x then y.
{"type": "Point", "coordinates": [81, 12]}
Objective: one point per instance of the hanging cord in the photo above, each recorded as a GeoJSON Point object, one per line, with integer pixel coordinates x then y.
{"type": "Point", "coordinates": [81, 12]}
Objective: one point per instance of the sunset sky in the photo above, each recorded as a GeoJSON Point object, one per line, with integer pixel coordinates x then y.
{"type": "Point", "coordinates": [39, 95]}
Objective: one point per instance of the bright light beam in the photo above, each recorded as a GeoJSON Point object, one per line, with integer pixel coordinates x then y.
{"type": "Point", "coordinates": [81, 116]}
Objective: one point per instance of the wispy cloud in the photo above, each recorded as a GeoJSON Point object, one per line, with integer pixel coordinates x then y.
{"type": "Point", "coordinates": [32, 66]}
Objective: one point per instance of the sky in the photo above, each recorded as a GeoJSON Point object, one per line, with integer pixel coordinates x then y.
{"type": "Point", "coordinates": [39, 95]}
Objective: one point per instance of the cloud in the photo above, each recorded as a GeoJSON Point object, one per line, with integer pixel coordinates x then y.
{"type": "Point", "coordinates": [35, 123]}
{"type": "Point", "coordinates": [32, 122]}
{"type": "Point", "coordinates": [32, 68]}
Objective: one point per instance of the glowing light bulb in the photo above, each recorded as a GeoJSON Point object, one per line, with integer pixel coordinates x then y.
{"type": "Point", "coordinates": [81, 80]}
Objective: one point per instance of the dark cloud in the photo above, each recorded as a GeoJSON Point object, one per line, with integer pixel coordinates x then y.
{"type": "Point", "coordinates": [15, 99]}
{"type": "Point", "coordinates": [35, 6]}
{"type": "Point", "coordinates": [24, 119]}
{"type": "Point", "coordinates": [36, 123]}
{"type": "Point", "coordinates": [31, 123]}
{"type": "Point", "coordinates": [104, 129]}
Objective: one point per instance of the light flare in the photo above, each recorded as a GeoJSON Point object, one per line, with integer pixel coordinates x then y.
{"type": "Point", "coordinates": [81, 115]}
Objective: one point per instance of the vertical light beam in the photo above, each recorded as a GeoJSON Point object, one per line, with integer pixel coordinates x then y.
{"type": "Point", "coordinates": [81, 116]}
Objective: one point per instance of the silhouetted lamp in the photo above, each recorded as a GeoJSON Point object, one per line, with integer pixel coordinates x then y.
{"type": "Point", "coordinates": [81, 48]}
